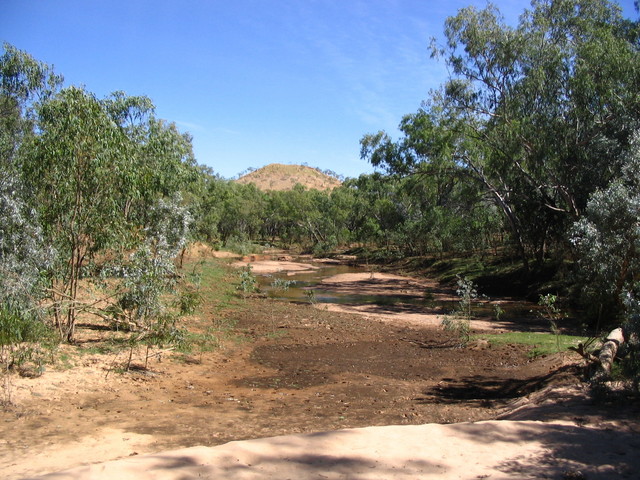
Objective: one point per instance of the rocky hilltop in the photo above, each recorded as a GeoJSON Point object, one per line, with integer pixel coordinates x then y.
{"type": "Point", "coordinates": [277, 176]}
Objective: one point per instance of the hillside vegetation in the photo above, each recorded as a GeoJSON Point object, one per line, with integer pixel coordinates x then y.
{"type": "Point", "coordinates": [279, 177]}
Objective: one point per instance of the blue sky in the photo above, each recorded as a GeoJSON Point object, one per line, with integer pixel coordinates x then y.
{"type": "Point", "coordinates": [255, 82]}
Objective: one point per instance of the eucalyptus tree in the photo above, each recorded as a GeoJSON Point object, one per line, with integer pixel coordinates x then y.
{"type": "Point", "coordinates": [297, 217]}
{"type": "Point", "coordinates": [97, 168]}
{"type": "Point", "coordinates": [342, 202]}
{"type": "Point", "coordinates": [200, 195]}
{"type": "Point", "coordinates": [160, 158]}
{"type": "Point", "coordinates": [536, 114]}
{"type": "Point", "coordinates": [281, 219]}
{"type": "Point", "coordinates": [323, 219]}
{"type": "Point", "coordinates": [76, 166]}
{"type": "Point", "coordinates": [23, 82]}
{"type": "Point", "coordinates": [242, 212]}
{"type": "Point", "coordinates": [607, 240]}
{"type": "Point", "coordinates": [377, 210]}
{"type": "Point", "coordinates": [23, 253]}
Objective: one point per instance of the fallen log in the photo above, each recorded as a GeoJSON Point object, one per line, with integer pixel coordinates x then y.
{"type": "Point", "coordinates": [609, 351]}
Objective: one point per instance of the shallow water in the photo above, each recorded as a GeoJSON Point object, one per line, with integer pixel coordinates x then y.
{"type": "Point", "coordinates": [304, 283]}
{"type": "Point", "coordinates": [305, 287]}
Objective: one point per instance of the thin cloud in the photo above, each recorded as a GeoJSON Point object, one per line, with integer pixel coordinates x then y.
{"type": "Point", "coordinates": [191, 126]}
{"type": "Point", "coordinates": [227, 131]}
{"type": "Point", "coordinates": [373, 61]}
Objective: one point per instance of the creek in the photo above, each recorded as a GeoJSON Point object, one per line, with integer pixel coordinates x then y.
{"type": "Point", "coordinates": [297, 286]}
{"type": "Point", "coordinates": [307, 287]}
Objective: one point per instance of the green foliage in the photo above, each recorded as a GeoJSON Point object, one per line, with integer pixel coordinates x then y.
{"type": "Point", "coordinates": [248, 281]}
{"type": "Point", "coordinates": [533, 118]}
{"type": "Point", "coordinates": [311, 296]}
{"type": "Point", "coordinates": [148, 281]}
{"type": "Point", "coordinates": [282, 284]}
{"type": "Point", "coordinates": [83, 183]}
{"type": "Point", "coordinates": [532, 132]}
{"type": "Point", "coordinates": [24, 338]}
{"type": "Point", "coordinates": [607, 240]}
{"type": "Point", "coordinates": [552, 313]}
{"type": "Point", "coordinates": [23, 254]}
{"type": "Point", "coordinates": [467, 292]}
{"type": "Point", "coordinates": [242, 212]}
{"type": "Point", "coordinates": [188, 301]}
{"type": "Point", "coordinates": [458, 325]}
{"type": "Point", "coordinates": [242, 246]}
{"type": "Point", "coordinates": [74, 156]}
{"type": "Point", "coordinates": [23, 82]}
{"type": "Point", "coordinates": [459, 321]}
{"type": "Point", "coordinates": [110, 164]}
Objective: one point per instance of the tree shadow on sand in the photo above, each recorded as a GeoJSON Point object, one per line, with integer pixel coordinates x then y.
{"type": "Point", "coordinates": [483, 390]}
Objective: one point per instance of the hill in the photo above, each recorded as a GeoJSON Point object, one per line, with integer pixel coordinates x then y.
{"type": "Point", "coordinates": [277, 176]}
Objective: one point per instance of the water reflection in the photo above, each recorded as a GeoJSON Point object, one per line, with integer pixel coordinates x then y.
{"type": "Point", "coordinates": [307, 286]}
{"type": "Point", "coordinates": [309, 280]}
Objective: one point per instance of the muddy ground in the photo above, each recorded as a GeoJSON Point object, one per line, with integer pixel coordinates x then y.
{"type": "Point", "coordinates": [281, 368]}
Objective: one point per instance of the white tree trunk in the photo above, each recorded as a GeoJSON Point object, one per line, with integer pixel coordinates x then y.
{"type": "Point", "coordinates": [609, 350]}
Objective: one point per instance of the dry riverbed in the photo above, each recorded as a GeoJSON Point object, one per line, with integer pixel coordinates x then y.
{"type": "Point", "coordinates": [287, 369]}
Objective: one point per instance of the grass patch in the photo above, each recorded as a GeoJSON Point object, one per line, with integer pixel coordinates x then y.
{"type": "Point", "coordinates": [217, 284]}
{"type": "Point", "coordinates": [199, 343]}
{"type": "Point", "coordinates": [109, 346]}
{"type": "Point", "coordinates": [214, 321]}
{"type": "Point", "coordinates": [541, 343]}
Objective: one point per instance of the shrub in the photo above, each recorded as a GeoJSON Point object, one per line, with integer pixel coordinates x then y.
{"type": "Point", "coordinates": [24, 338]}
{"type": "Point", "coordinates": [459, 321]}
{"type": "Point", "coordinates": [248, 281]}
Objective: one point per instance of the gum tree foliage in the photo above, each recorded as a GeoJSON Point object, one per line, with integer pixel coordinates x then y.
{"type": "Point", "coordinates": [203, 206]}
{"type": "Point", "coordinates": [150, 273]}
{"type": "Point", "coordinates": [534, 115]}
{"type": "Point", "coordinates": [23, 81]}
{"type": "Point", "coordinates": [78, 166]}
{"type": "Point", "coordinates": [301, 216]}
{"type": "Point", "coordinates": [84, 181]}
{"type": "Point", "coordinates": [23, 253]}
{"type": "Point", "coordinates": [98, 167]}
{"type": "Point", "coordinates": [417, 214]}
{"type": "Point", "coordinates": [607, 240]}
{"type": "Point", "coordinates": [23, 256]}
{"type": "Point", "coordinates": [608, 243]}
{"type": "Point", "coordinates": [242, 212]}
{"type": "Point", "coordinates": [377, 208]}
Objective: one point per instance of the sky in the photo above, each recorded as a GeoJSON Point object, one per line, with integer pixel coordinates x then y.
{"type": "Point", "coordinates": [253, 81]}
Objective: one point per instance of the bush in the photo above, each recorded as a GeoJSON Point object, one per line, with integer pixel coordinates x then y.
{"type": "Point", "coordinates": [24, 338]}
{"type": "Point", "coordinates": [248, 281]}
{"type": "Point", "coordinates": [242, 246]}
{"type": "Point", "coordinates": [607, 241]}
{"type": "Point", "coordinates": [459, 322]}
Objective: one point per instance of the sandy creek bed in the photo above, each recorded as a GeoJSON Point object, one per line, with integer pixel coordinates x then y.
{"type": "Point", "coordinates": [317, 392]}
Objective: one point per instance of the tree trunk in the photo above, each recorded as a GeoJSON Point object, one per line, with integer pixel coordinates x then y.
{"type": "Point", "coordinates": [609, 350]}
